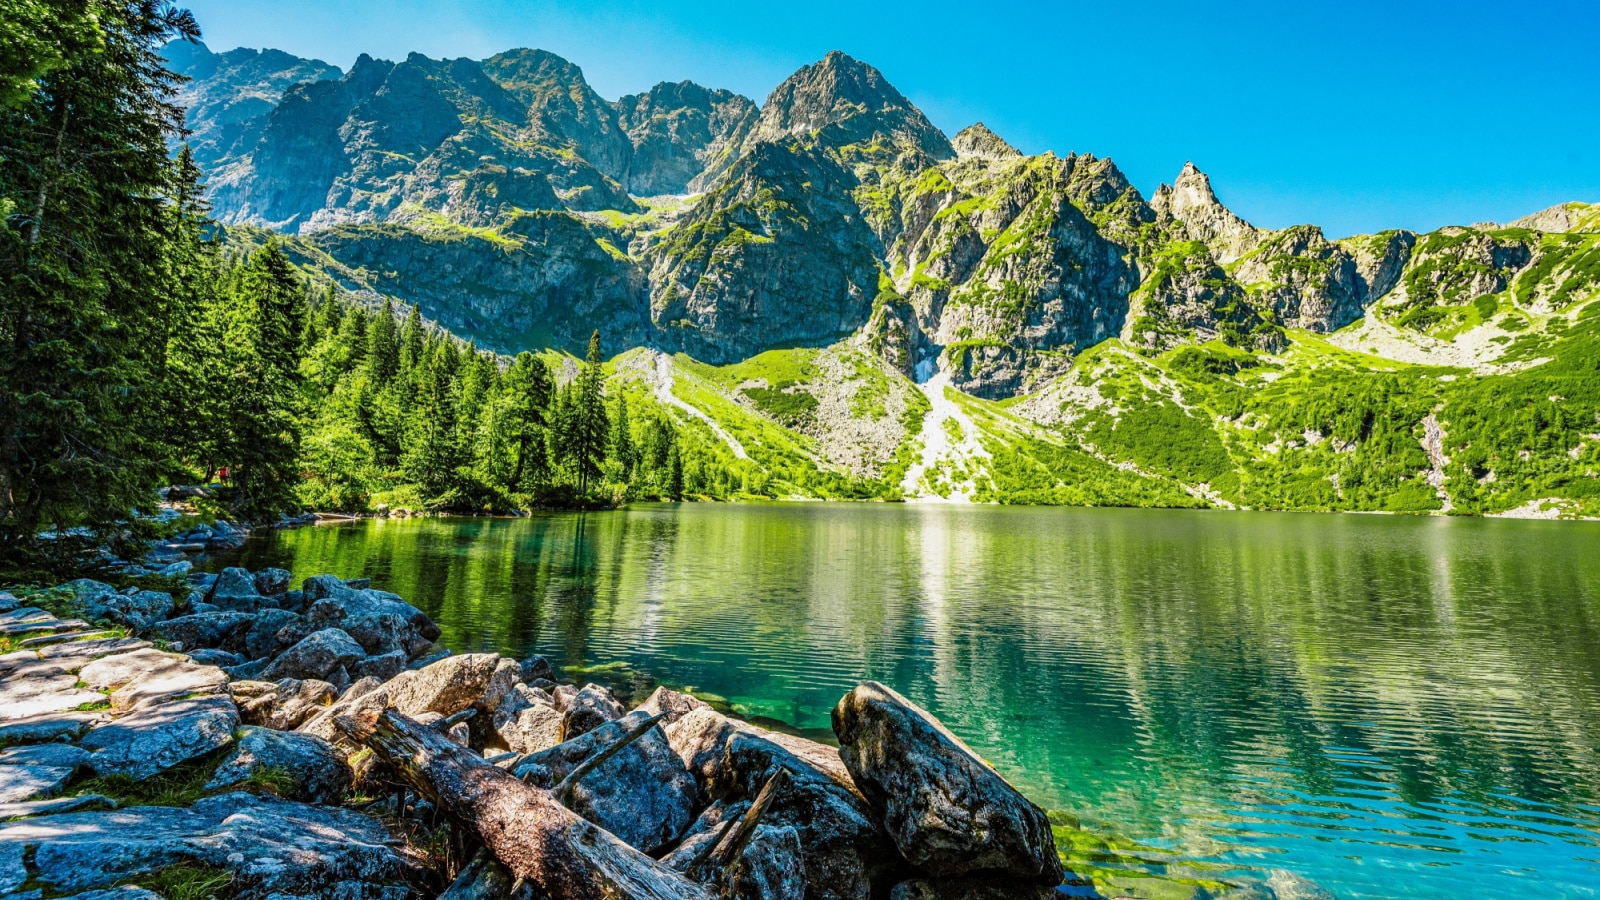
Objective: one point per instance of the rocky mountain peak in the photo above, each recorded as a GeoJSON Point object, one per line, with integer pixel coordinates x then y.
{"type": "Point", "coordinates": [853, 101]}
{"type": "Point", "coordinates": [978, 142]}
{"type": "Point", "coordinates": [683, 135]}
{"type": "Point", "coordinates": [1200, 216]}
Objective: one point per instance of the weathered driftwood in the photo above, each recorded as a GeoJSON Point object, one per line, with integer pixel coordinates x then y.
{"type": "Point", "coordinates": [539, 840]}
{"type": "Point", "coordinates": [725, 851]}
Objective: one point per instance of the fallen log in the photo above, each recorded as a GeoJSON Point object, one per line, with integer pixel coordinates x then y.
{"type": "Point", "coordinates": [539, 840]}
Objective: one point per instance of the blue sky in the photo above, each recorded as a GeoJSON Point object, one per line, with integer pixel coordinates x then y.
{"type": "Point", "coordinates": [1354, 115]}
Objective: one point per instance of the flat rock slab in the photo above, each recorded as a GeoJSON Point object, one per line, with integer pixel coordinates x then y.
{"type": "Point", "coordinates": [53, 806]}
{"type": "Point", "coordinates": [22, 783]}
{"type": "Point", "coordinates": [270, 846]}
{"type": "Point", "coordinates": [949, 812]}
{"type": "Point", "coordinates": [41, 770]}
{"type": "Point", "coordinates": [37, 692]}
{"type": "Point", "coordinates": [39, 729]}
{"type": "Point", "coordinates": [80, 650]}
{"type": "Point", "coordinates": [153, 739]}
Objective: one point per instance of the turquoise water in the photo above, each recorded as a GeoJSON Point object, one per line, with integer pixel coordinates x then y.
{"type": "Point", "coordinates": [1392, 707]}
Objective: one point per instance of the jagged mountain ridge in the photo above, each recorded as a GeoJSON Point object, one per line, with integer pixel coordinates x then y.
{"type": "Point", "coordinates": [513, 204]}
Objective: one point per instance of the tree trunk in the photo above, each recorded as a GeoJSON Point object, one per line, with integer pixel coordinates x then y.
{"type": "Point", "coordinates": [538, 839]}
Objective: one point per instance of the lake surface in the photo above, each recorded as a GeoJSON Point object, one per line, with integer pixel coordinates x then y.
{"type": "Point", "coordinates": [1392, 707]}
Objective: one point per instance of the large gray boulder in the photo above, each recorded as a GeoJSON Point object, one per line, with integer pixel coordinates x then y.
{"type": "Point", "coordinates": [448, 686]}
{"type": "Point", "coordinates": [136, 609]}
{"type": "Point", "coordinates": [271, 847]}
{"type": "Point", "coordinates": [148, 677]}
{"type": "Point", "coordinates": [592, 707]}
{"type": "Point", "coordinates": [153, 739]}
{"type": "Point", "coordinates": [671, 705]}
{"type": "Point", "coordinates": [381, 622]}
{"type": "Point", "coordinates": [264, 638]}
{"type": "Point", "coordinates": [271, 582]}
{"type": "Point", "coordinates": [772, 866]}
{"type": "Point", "coordinates": [643, 795]}
{"type": "Point", "coordinates": [221, 630]}
{"type": "Point", "coordinates": [235, 589]}
{"type": "Point", "coordinates": [527, 720]}
{"type": "Point", "coordinates": [318, 656]}
{"type": "Point", "coordinates": [844, 850]}
{"type": "Point", "coordinates": [948, 811]}
{"type": "Point", "coordinates": [314, 770]}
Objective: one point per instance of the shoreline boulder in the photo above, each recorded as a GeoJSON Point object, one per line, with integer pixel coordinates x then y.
{"type": "Point", "coordinates": [949, 812]}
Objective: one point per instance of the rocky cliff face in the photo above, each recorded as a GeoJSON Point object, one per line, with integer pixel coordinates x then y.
{"type": "Point", "coordinates": [514, 204]}
{"type": "Point", "coordinates": [229, 95]}
{"type": "Point", "coordinates": [548, 280]}
{"type": "Point", "coordinates": [775, 253]}
{"type": "Point", "coordinates": [680, 132]}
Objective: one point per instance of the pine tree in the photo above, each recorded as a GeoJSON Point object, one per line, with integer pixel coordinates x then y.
{"type": "Point", "coordinates": [622, 449]}
{"type": "Point", "coordinates": [674, 474]}
{"type": "Point", "coordinates": [85, 230]}
{"type": "Point", "coordinates": [383, 348]}
{"type": "Point", "coordinates": [528, 392]}
{"type": "Point", "coordinates": [267, 336]}
{"type": "Point", "coordinates": [589, 420]}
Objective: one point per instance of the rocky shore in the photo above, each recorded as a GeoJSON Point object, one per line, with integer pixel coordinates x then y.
{"type": "Point", "coordinates": [250, 740]}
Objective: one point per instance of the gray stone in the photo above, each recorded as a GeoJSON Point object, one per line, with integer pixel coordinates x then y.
{"type": "Point", "coordinates": [772, 866]}
{"type": "Point", "coordinates": [137, 610]}
{"type": "Point", "coordinates": [535, 668]}
{"type": "Point", "coordinates": [380, 622]}
{"type": "Point", "coordinates": [19, 783]}
{"type": "Point", "coordinates": [643, 795]}
{"type": "Point", "coordinates": [213, 630]}
{"type": "Point", "coordinates": [291, 702]}
{"type": "Point", "coordinates": [270, 847]}
{"type": "Point", "coordinates": [8, 602]}
{"type": "Point", "coordinates": [236, 590]}
{"type": "Point", "coordinates": [61, 756]}
{"type": "Point", "coordinates": [91, 649]}
{"type": "Point", "coordinates": [318, 772]}
{"type": "Point", "coordinates": [248, 671]}
{"type": "Point", "coordinates": [844, 850]}
{"type": "Point", "coordinates": [949, 812]}
{"type": "Point", "coordinates": [671, 704]}
{"type": "Point", "coordinates": [272, 581]}
{"type": "Point", "coordinates": [126, 892]}
{"type": "Point", "coordinates": [218, 658]}
{"type": "Point", "coordinates": [261, 639]}
{"type": "Point", "coordinates": [527, 720]}
{"type": "Point", "coordinates": [153, 739]}
{"type": "Point", "coordinates": [383, 667]}
{"type": "Point", "coordinates": [366, 695]}
{"type": "Point", "coordinates": [50, 726]}
{"type": "Point", "coordinates": [589, 709]}
{"type": "Point", "coordinates": [448, 686]}
{"type": "Point", "coordinates": [174, 676]}
{"type": "Point", "coordinates": [317, 656]}
{"type": "Point", "coordinates": [50, 807]}
{"type": "Point", "coordinates": [42, 691]}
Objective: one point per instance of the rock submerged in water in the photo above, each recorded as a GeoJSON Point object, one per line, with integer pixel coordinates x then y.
{"type": "Point", "coordinates": [948, 811]}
